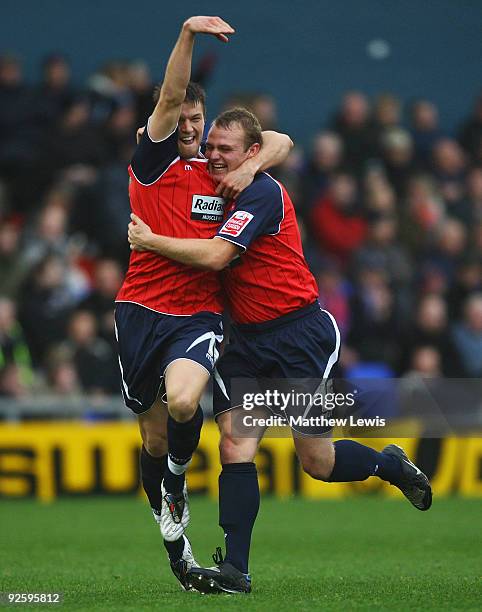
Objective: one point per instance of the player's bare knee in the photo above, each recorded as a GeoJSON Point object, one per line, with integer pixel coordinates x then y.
{"type": "Point", "coordinates": [155, 443]}
{"type": "Point", "coordinates": [319, 468]}
{"type": "Point", "coordinates": [235, 450]}
{"type": "Point", "coordinates": [182, 405]}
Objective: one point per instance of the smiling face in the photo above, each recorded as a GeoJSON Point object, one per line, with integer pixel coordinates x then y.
{"type": "Point", "coordinates": [191, 128]}
{"type": "Point", "coordinates": [226, 149]}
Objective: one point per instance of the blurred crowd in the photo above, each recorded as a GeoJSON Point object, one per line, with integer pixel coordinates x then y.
{"type": "Point", "coordinates": [390, 209]}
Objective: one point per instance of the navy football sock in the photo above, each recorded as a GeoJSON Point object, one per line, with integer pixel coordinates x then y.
{"type": "Point", "coordinates": [354, 461]}
{"type": "Point", "coordinates": [238, 508]}
{"type": "Point", "coordinates": [174, 549]}
{"type": "Point", "coordinates": [152, 471]}
{"type": "Point", "coordinates": [182, 441]}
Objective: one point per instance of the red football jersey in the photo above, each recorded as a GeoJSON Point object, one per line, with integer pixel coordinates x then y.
{"type": "Point", "coordinates": [176, 198]}
{"type": "Point", "coordinates": [271, 278]}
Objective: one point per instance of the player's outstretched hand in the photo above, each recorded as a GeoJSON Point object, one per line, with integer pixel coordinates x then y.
{"type": "Point", "coordinates": [139, 234]}
{"type": "Point", "coordinates": [234, 182]}
{"type": "Point", "coordinates": [209, 25]}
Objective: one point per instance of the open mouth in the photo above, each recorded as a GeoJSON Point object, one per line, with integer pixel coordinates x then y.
{"type": "Point", "coordinates": [218, 167]}
{"type": "Point", "coordinates": [187, 140]}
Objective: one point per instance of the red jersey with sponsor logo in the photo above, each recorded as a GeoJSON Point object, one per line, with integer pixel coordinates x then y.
{"type": "Point", "coordinates": [271, 278]}
{"type": "Point", "coordinates": [176, 198]}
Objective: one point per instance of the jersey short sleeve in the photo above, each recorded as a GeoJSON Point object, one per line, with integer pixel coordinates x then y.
{"type": "Point", "coordinates": [153, 157]}
{"type": "Point", "coordinates": [259, 210]}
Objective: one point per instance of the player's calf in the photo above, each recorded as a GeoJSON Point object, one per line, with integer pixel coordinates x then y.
{"type": "Point", "coordinates": [316, 455]}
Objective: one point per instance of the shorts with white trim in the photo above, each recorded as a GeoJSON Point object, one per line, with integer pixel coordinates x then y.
{"type": "Point", "coordinates": [296, 352]}
{"type": "Point", "coordinates": [148, 342]}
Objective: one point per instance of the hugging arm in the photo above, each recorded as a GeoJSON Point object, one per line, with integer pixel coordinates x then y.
{"type": "Point", "coordinates": [274, 151]}
{"type": "Point", "coordinates": [207, 254]}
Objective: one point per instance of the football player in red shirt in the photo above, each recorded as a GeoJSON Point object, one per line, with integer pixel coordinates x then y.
{"type": "Point", "coordinates": [279, 332]}
{"type": "Point", "coordinates": [168, 314]}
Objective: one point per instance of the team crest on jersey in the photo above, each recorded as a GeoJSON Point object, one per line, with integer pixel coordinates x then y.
{"type": "Point", "coordinates": [207, 208]}
{"type": "Point", "coordinates": [236, 224]}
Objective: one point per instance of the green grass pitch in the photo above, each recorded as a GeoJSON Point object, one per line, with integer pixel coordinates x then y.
{"type": "Point", "coordinates": [358, 554]}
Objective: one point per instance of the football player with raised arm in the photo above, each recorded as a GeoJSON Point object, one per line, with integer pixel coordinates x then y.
{"type": "Point", "coordinates": [168, 314]}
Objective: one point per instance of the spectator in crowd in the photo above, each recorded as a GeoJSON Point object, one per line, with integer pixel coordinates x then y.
{"type": "Point", "coordinates": [75, 140]}
{"type": "Point", "coordinates": [290, 173]}
{"type": "Point", "coordinates": [375, 328]}
{"type": "Point", "coordinates": [336, 220]}
{"type": "Point", "coordinates": [449, 248]}
{"type": "Point", "coordinates": [325, 161]}
{"type": "Point", "coordinates": [382, 250]}
{"type": "Point", "coordinates": [103, 207]}
{"type": "Point", "coordinates": [380, 198]}
{"type": "Point", "coordinates": [11, 385]}
{"type": "Point", "coordinates": [468, 280]}
{"type": "Point", "coordinates": [62, 378]}
{"type": "Point", "coordinates": [119, 132]}
{"type": "Point", "coordinates": [14, 353]}
{"type": "Point", "coordinates": [352, 123]}
{"type": "Point", "coordinates": [426, 362]}
{"type": "Point", "coordinates": [94, 359]}
{"type": "Point", "coordinates": [50, 231]}
{"type": "Point", "coordinates": [142, 88]}
{"type": "Point", "coordinates": [108, 278]}
{"type": "Point", "coordinates": [55, 91]}
{"type": "Point", "coordinates": [14, 100]}
{"type": "Point", "coordinates": [476, 237]}
{"type": "Point", "coordinates": [45, 304]}
{"type": "Point", "coordinates": [417, 398]}
{"type": "Point", "coordinates": [387, 114]}
{"type": "Point", "coordinates": [335, 295]}
{"type": "Point", "coordinates": [19, 146]}
{"type": "Point", "coordinates": [14, 266]}
{"type": "Point", "coordinates": [470, 135]}
{"type": "Point", "coordinates": [109, 88]}
{"type": "Point", "coordinates": [471, 211]}
{"type": "Point", "coordinates": [430, 328]}
{"type": "Point", "coordinates": [467, 337]}
{"type": "Point", "coordinates": [398, 158]}
{"type": "Point", "coordinates": [449, 168]}
{"type": "Point", "coordinates": [264, 107]}
{"type": "Point", "coordinates": [422, 215]}
{"type": "Point", "coordinates": [425, 131]}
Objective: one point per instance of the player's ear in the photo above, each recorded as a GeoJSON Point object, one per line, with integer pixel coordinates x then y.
{"type": "Point", "coordinates": [254, 149]}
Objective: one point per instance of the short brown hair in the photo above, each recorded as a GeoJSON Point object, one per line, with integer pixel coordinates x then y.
{"type": "Point", "coordinates": [246, 120]}
{"type": "Point", "coordinates": [195, 94]}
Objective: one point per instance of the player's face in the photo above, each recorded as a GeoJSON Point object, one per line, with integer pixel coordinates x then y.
{"type": "Point", "coordinates": [225, 150]}
{"type": "Point", "coordinates": [191, 128]}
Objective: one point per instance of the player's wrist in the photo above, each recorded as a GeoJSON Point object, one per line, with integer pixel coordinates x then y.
{"type": "Point", "coordinates": [187, 28]}
{"type": "Point", "coordinates": [252, 166]}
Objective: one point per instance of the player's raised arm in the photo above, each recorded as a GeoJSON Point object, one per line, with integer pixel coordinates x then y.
{"type": "Point", "coordinates": [178, 72]}
{"type": "Point", "coordinates": [275, 149]}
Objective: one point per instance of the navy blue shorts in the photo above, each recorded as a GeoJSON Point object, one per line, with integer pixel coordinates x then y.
{"type": "Point", "coordinates": [149, 341]}
{"type": "Point", "coordinates": [300, 348]}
